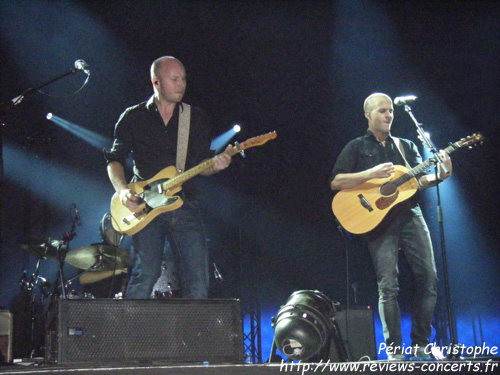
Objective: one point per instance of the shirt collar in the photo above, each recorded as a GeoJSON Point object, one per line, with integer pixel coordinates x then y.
{"type": "Point", "coordinates": [151, 104]}
{"type": "Point", "coordinates": [371, 136]}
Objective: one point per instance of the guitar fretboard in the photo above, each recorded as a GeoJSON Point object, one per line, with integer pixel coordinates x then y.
{"type": "Point", "coordinates": [422, 167]}
{"type": "Point", "coordinates": [190, 173]}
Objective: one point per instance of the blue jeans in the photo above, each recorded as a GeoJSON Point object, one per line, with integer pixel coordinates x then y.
{"type": "Point", "coordinates": [185, 231]}
{"type": "Point", "coordinates": [409, 232]}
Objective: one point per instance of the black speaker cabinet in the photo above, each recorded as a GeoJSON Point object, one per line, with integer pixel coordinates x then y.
{"type": "Point", "coordinates": [5, 336]}
{"type": "Point", "coordinates": [358, 333]}
{"type": "Point", "coordinates": [145, 331]}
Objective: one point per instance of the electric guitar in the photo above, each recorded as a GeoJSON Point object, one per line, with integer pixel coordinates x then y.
{"type": "Point", "coordinates": [362, 208]}
{"type": "Point", "coordinates": [157, 193]}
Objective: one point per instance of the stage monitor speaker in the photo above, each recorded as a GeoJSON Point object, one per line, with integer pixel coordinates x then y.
{"type": "Point", "coordinates": [163, 330]}
{"type": "Point", "coordinates": [5, 336]}
{"type": "Point", "coordinates": [357, 327]}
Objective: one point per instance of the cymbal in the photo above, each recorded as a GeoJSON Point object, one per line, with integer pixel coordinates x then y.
{"type": "Point", "coordinates": [98, 257]}
{"type": "Point", "coordinates": [44, 247]}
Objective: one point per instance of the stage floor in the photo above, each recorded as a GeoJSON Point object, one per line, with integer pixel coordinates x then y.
{"type": "Point", "coordinates": [467, 366]}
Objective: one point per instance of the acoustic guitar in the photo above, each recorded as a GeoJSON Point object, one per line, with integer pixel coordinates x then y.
{"type": "Point", "coordinates": [361, 209]}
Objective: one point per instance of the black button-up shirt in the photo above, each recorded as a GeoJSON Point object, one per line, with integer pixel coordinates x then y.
{"type": "Point", "coordinates": [140, 132]}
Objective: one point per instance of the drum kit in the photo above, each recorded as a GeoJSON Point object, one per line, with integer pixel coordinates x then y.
{"type": "Point", "coordinates": [104, 256]}
{"type": "Point", "coordinates": [41, 295]}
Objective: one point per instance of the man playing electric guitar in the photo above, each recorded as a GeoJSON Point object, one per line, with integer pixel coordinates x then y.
{"type": "Point", "coordinates": [374, 156]}
{"type": "Point", "coordinates": [155, 133]}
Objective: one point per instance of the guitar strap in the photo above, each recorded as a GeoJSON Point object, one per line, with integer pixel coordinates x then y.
{"type": "Point", "coordinates": [183, 137]}
{"type": "Point", "coordinates": [401, 149]}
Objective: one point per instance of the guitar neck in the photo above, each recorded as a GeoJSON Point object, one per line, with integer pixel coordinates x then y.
{"type": "Point", "coordinates": [190, 173]}
{"type": "Point", "coordinates": [421, 167]}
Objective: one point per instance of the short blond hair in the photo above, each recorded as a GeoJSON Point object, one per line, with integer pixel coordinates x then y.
{"type": "Point", "coordinates": [370, 99]}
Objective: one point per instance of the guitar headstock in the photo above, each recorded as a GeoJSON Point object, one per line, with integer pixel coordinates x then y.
{"type": "Point", "coordinates": [257, 141]}
{"type": "Point", "coordinates": [471, 140]}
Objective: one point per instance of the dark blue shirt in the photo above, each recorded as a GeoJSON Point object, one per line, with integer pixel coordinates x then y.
{"type": "Point", "coordinates": [366, 152]}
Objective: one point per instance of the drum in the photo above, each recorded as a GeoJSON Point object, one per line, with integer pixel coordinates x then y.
{"type": "Point", "coordinates": [304, 324]}
{"type": "Point", "coordinates": [79, 295]}
{"type": "Point", "coordinates": [108, 233]}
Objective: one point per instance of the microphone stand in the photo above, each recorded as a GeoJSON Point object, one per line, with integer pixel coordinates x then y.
{"type": "Point", "coordinates": [426, 141]}
{"type": "Point", "coordinates": [10, 104]}
{"type": "Point", "coordinates": [439, 162]}
{"type": "Point", "coordinates": [18, 99]}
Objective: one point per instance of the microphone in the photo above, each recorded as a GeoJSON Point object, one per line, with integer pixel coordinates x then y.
{"type": "Point", "coordinates": [400, 100]}
{"type": "Point", "coordinates": [82, 65]}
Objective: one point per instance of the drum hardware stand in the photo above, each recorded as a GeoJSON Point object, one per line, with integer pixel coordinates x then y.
{"type": "Point", "coordinates": [98, 264]}
{"type": "Point", "coordinates": [29, 285]}
{"type": "Point", "coordinates": [61, 249]}
{"type": "Point", "coordinates": [427, 143]}
{"type": "Point", "coordinates": [63, 245]}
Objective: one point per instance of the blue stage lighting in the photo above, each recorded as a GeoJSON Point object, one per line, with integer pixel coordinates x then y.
{"type": "Point", "coordinates": [222, 140]}
{"type": "Point", "coordinates": [94, 139]}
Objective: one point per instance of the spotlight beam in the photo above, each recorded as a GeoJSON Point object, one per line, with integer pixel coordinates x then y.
{"type": "Point", "coordinates": [92, 138]}
{"type": "Point", "coordinates": [222, 140]}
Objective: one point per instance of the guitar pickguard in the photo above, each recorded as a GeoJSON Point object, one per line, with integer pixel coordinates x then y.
{"type": "Point", "coordinates": [384, 202]}
{"type": "Point", "coordinates": [155, 196]}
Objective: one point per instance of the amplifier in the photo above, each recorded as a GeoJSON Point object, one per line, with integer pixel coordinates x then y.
{"type": "Point", "coordinates": [5, 336]}
{"type": "Point", "coordinates": [357, 327]}
{"type": "Point", "coordinates": [162, 330]}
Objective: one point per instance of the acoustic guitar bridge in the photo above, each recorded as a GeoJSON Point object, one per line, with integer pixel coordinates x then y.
{"type": "Point", "coordinates": [365, 203]}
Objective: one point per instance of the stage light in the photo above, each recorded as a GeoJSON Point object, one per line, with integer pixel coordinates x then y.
{"type": "Point", "coordinates": [92, 138]}
{"type": "Point", "coordinates": [222, 140]}
{"type": "Point", "coordinates": [305, 326]}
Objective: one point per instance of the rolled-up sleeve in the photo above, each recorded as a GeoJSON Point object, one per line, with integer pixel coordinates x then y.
{"type": "Point", "coordinates": [345, 163]}
{"type": "Point", "coordinates": [120, 150]}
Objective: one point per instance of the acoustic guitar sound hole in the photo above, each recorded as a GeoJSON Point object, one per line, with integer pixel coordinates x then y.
{"type": "Point", "coordinates": [388, 189]}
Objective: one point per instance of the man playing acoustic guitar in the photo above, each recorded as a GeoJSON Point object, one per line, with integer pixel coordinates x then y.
{"type": "Point", "coordinates": [374, 156]}
{"type": "Point", "coordinates": [151, 132]}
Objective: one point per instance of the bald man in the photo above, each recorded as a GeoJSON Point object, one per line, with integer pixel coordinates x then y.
{"type": "Point", "coordinates": [149, 133]}
{"type": "Point", "coordinates": [374, 155]}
